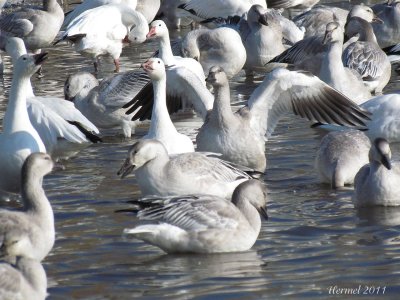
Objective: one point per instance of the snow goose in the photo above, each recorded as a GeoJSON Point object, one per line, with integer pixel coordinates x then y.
{"type": "Point", "coordinates": [365, 56]}
{"type": "Point", "coordinates": [220, 46]}
{"type": "Point", "coordinates": [157, 173]}
{"type": "Point", "coordinates": [341, 155]}
{"type": "Point", "coordinates": [53, 118]}
{"type": "Point", "coordinates": [158, 30]}
{"type": "Point", "coordinates": [36, 27]}
{"type": "Point", "coordinates": [314, 21]}
{"type": "Point", "coordinates": [377, 183]}
{"type": "Point", "coordinates": [89, 4]}
{"type": "Point", "coordinates": [91, 35]}
{"type": "Point", "coordinates": [200, 10]}
{"type": "Point", "coordinates": [161, 126]}
{"type": "Point", "coordinates": [30, 232]}
{"type": "Point", "coordinates": [240, 136]}
{"type": "Point", "coordinates": [203, 223]}
{"type": "Point", "coordinates": [19, 138]}
{"type": "Point", "coordinates": [334, 73]}
{"type": "Point", "coordinates": [23, 279]}
{"type": "Point", "coordinates": [387, 33]}
{"type": "Point", "coordinates": [169, 13]}
{"type": "Point", "coordinates": [148, 8]}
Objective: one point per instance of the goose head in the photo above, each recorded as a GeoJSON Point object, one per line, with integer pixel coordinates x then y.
{"type": "Point", "coordinates": [380, 152]}
{"type": "Point", "coordinates": [15, 47]}
{"type": "Point", "coordinates": [27, 65]}
{"type": "Point", "coordinates": [257, 14]}
{"type": "Point", "coordinates": [38, 163]}
{"type": "Point", "coordinates": [333, 33]}
{"type": "Point", "coordinates": [78, 86]}
{"type": "Point", "coordinates": [140, 154]}
{"type": "Point", "coordinates": [364, 12]}
{"type": "Point", "coordinates": [255, 193]}
{"type": "Point", "coordinates": [155, 68]}
{"type": "Point", "coordinates": [217, 77]}
{"type": "Point", "coordinates": [157, 29]}
{"type": "Point", "coordinates": [14, 243]}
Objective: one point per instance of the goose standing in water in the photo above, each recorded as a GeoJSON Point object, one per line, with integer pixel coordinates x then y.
{"type": "Point", "coordinates": [157, 173]}
{"type": "Point", "coordinates": [56, 120]}
{"type": "Point", "coordinates": [203, 223]}
{"type": "Point", "coordinates": [36, 27]}
{"type": "Point", "coordinates": [161, 126]}
{"type": "Point", "coordinates": [30, 232]}
{"type": "Point", "coordinates": [364, 55]}
{"type": "Point", "coordinates": [23, 279]}
{"type": "Point", "coordinates": [102, 31]}
{"type": "Point", "coordinates": [334, 73]}
{"type": "Point", "coordinates": [377, 183]}
{"type": "Point", "coordinates": [240, 136]}
{"type": "Point", "coordinates": [341, 155]}
{"type": "Point", "coordinates": [19, 138]}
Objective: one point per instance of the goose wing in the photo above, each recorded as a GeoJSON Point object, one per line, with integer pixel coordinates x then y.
{"type": "Point", "coordinates": [305, 95]}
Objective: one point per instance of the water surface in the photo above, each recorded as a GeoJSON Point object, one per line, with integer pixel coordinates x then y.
{"type": "Point", "coordinates": [314, 240]}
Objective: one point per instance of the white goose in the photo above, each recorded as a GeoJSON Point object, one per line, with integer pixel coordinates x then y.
{"type": "Point", "coordinates": [387, 33]}
{"type": "Point", "coordinates": [53, 118]}
{"type": "Point", "coordinates": [220, 46]}
{"type": "Point", "coordinates": [341, 155]}
{"type": "Point", "coordinates": [157, 173]}
{"type": "Point", "coordinates": [23, 278]}
{"type": "Point", "coordinates": [200, 10]}
{"type": "Point", "coordinates": [377, 183]}
{"type": "Point", "coordinates": [240, 136]}
{"type": "Point", "coordinates": [334, 73]}
{"type": "Point", "coordinates": [158, 30]}
{"type": "Point", "coordinates": [30, 232]}
{"type": "Point", "coordinates": [203, 223]}
{"type": "Point", "coordinates": [19, 138]}
{"type": "Point", "coordinates": [89, 4]}
{"type": "Point", "coordinates": [148, 8]}
{"type": "Point", "coordinates": [161, 126]}
{"type": "Point", "coordinates": [93, 36]}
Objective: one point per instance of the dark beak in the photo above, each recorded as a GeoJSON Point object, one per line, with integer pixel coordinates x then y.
{"type": "Point", "coordinates": [263, 19]}
{"type": "Point", "coordinates": [386, 162]}
{"type": "Point", "coordinates": [263, 212]}
{"type": "Point", "coordinates": [376, 19]}
{"type": "Point", "coordinates": [126, 169]}
{"type": "Point", "coordinates": [40, 58]}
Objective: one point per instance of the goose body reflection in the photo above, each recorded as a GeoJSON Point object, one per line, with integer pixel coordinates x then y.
{"type": "Point", "coordinates": [203, 224]}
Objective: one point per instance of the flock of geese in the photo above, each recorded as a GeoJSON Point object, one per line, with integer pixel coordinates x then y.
{"type": "Point", "coordinates": [327, 64]}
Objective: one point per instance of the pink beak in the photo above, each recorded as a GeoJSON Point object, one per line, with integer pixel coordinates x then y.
{"type": "Point", "coordinates": [147, 65]}
{"type": "Point", "coordinates": [152, 32]}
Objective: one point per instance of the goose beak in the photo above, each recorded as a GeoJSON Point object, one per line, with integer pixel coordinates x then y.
{"type": "Point", "coordinates": [376, 19]}
{"type": "Point", "coordinates": [147, 66]}
{"type": "Point", "coordinates": [126, 169]}
{"type": "Point", "coordinates": [152, 32]}
{"type": "Point", "coordinates": [386, 162]}
{"type": "Point", "coordinates": [40, 58]}
{"type": "Point", "coordinates": [263, 212]}
{"type": "Point", "coordinates": [263, 19]}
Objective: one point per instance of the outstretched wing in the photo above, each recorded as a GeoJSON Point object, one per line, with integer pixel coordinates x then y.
{"type": "Point", "coordinates": [305, 95]}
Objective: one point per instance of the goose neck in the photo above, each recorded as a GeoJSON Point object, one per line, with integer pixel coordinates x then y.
{"type": "Point", "coordinates": [160, 119]}
{"type": "Point", "coordinates": [248, 210]}
{"type": "Point", "coordinates": [332, 66]}
{"type": "Point", "coordinates": [16, 115]}
{"type": "Point", "coordinates": [165, 50]}
{"type": "Point", "coordinates": [222, 111]}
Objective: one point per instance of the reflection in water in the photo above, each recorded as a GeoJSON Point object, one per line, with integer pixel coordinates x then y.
{"type": "Point", "coordinates": [379, 215]}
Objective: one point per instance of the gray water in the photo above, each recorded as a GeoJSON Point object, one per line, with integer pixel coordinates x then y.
{"type": "Point", "coordinates": [314, 240]}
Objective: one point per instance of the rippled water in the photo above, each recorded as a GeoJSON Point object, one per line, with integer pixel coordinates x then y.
{"type": "Point", "coordinates": [313, 241]}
